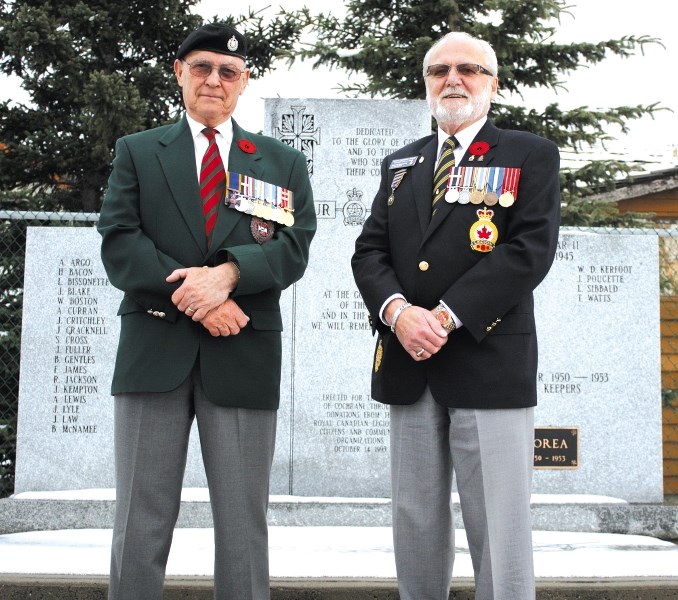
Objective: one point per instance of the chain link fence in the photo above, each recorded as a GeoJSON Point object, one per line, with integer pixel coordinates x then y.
{"type": "Point", "coordinates": [12, 250]}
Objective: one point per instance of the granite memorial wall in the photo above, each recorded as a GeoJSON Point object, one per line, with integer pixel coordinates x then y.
{"type": "Point", "coordinates": [599, 413]}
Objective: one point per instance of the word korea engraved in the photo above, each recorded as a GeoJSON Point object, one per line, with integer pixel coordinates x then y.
{"type": "Point", "coordinates": [556, 447]}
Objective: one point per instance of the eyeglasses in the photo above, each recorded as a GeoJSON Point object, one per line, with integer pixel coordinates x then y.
{"type": "Point", "coordinates": [204, 70]}
{"type": "Point", "coordinates": [464, 69]}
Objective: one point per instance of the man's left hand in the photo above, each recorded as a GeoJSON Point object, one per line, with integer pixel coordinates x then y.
{"type": "Point", "coordinates": [226, 319]}
{"type": "Point", "coordinates": [203, 288]}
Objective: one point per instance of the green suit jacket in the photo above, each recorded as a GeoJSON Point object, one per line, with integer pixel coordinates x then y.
{"type": "Point", "coordinates": [151, 223]}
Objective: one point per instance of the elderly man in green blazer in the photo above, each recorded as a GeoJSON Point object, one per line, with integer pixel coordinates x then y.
{"type": "Point", "coordinates": [203, 225]}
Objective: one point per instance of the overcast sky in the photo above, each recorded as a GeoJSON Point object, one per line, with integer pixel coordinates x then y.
{"type": "Point", "coordinates": [616, 82]}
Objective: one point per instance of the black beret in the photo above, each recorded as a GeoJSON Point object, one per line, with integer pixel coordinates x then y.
{"type": "Point", "coordinates": [216, 37]}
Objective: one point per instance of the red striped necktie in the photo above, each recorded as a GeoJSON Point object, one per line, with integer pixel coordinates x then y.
{"type": "Point", "coordinates": [212, 181]}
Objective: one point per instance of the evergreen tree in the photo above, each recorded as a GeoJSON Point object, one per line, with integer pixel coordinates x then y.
{"type": "Point", "coordinates": [95, 70]}
{"type": "Point", "coordinates": [385, 41]}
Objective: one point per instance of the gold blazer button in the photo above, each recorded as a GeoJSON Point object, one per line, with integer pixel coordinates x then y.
{"type": "Point", "coordinates": [423, 266]}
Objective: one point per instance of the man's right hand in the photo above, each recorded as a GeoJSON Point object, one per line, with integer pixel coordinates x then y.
{"type": "Point", "coordinates": [419, 332]}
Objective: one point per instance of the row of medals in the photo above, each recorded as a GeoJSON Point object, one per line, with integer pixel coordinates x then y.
{"type": "Point", "coordinates": [476, 196]}
{"type": "Point", "coordinates": [263, 210]}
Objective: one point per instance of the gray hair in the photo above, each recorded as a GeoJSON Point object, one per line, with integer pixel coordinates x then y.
{"type": "Point", "coordinates": [488, 51]}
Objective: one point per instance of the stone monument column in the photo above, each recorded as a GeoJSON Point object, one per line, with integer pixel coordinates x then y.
{"type": "Point", "coordinates": [333, 439]}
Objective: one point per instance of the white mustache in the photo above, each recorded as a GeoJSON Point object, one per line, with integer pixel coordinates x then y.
{"type": "Point", "coordinates": [447, 92]}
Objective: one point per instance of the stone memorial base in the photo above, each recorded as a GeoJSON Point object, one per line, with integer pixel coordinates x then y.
{"type": "Point", "coordinates": [94, 509]}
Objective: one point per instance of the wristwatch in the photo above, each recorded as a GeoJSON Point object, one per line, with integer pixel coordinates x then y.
{"type": "Point", "coordinates": [444, 317]}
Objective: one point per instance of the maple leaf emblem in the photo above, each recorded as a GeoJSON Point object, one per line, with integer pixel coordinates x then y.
{"type": "Point", "coordinates": [484, 233]}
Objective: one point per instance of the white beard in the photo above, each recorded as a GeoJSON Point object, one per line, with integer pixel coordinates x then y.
{"type": "Point", "coordinates": [455, 116]}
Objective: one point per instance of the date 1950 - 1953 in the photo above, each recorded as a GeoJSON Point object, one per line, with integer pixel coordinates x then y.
{"type": "Point", "coordinates": [566, 383]}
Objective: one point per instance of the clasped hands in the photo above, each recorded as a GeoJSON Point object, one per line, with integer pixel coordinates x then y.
{"type": "Point", "coordinates": [204, 296]}
{"type": "Point", "coordinates": [417, 330]}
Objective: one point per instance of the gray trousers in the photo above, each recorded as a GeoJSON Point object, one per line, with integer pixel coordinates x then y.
{"type": "Point", "coordinates": [491, 453]}
{"type": "Point", "coordinates": [151, 444]}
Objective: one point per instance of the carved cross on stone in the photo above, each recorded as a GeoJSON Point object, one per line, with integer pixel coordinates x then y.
{"type": "Point", "coordinates": [298, 130]}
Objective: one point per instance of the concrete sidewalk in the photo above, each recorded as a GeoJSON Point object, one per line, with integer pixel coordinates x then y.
{"type": "Point", "coordinates": [55, 545]}
{"type": "Point", "coordinates": [337, 563]}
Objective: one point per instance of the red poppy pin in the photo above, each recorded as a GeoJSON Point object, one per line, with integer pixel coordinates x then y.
{"type": "Point", "coordinates": [247, 146]}
{"type": "Point", "coordinates": [479, 148]}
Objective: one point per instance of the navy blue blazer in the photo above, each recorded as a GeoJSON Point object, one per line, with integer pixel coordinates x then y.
{"type": "Point", "coordinates": [490, 362]}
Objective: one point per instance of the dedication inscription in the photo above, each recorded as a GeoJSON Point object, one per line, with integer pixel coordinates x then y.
{"type": "Point", "coordinates": [599, 363]}
{"type": "Point", "coordinates": [337, 437]}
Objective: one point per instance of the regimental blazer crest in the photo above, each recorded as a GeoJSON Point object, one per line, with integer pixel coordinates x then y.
{"type": "Point", "coordinates": [483, 232]}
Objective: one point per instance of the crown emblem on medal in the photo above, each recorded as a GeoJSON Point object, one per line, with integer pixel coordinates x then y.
{"type": "Point", "coordinates": [483, 232]}
{"type": "Point", "coordinates": [232, 44]}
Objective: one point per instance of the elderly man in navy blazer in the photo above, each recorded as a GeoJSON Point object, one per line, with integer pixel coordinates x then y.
{"type": "Point", "coordinates": [462, 230]}
{"type": "Point", "coordinates": [202, 226]}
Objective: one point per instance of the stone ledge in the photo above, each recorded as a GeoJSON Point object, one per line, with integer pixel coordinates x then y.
{"type": "Point", "coordinates": [560, 513]}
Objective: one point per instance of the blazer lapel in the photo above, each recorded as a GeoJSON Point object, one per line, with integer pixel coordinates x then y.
{"type": "Point", "coordinates": [421, 179]}
{"type": "Point", "coordinates": [176, 159]}
{"type": "Point", "coordinates": [240, 160]}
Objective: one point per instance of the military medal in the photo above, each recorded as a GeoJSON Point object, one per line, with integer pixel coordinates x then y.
{"type": "Point", "coordinates": [451, 196]}
{"type": "Point", "coordinates": [477, 197]}
{"type": "Point", "coordinates": [452, 193]}
{"type": "Point", "coordinates": [478, 193]}
{"type": "Point", "coordinates": [266, 211]}
{"type": "Point", "coordinates": [265, 201]}
{"type": "Point", "coordinates": [495, 179]}
{"type": "Point", "coordinates": [506, 199]}
{"type": "Point", "coordinates": [397, 179]}
{"type": "Point", "coordinates": [245, 205]}
{"type": "Point", "coordinates": [258, 209]}
{"type": "Point", "coordinates": [261, 230]}
{"type": "Point", "coordinates": [510, 187]}
{"type": "Point", "coordinates": [465, 192]}
{"type": "Point", "coordinates": [288, 218]}
{"type": "Point", "coordinates": [286, 202]}
{"type": "Point", "coordinates": [277, 215]}
{"type": "Point", "coordinates": [483, 232]}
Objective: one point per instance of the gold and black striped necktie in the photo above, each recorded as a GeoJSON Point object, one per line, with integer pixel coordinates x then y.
{"type": "Point", "coordinates": [442, 170]}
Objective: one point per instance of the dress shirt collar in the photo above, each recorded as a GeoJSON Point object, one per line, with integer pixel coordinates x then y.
{"type": "Point", "coordinates": [463, 137]}
{"type": "Point", "coordinates": [225, 129]}
{"type": "Point", "coordinates": [224, 138]}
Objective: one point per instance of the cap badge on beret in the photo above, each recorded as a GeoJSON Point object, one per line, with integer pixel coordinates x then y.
{"type": "Point", "coordinates": [215, 37]}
